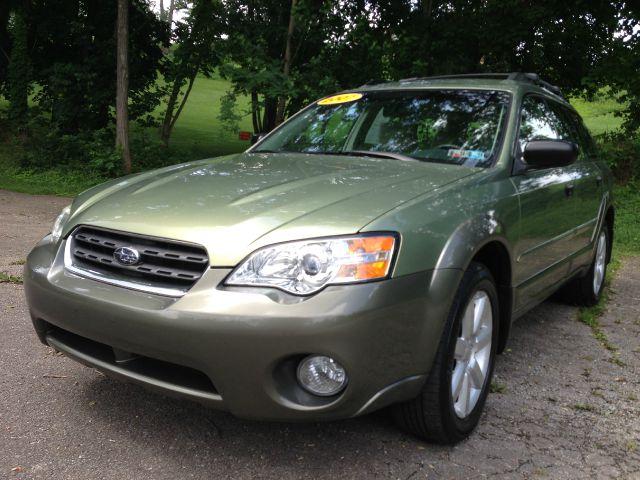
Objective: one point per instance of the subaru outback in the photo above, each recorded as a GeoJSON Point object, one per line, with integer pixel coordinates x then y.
{"type": "Point", "coordinates": [372, 251]}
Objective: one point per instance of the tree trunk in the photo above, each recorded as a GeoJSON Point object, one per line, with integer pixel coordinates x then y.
{"type": "Point", "coordinates": [255, 112]}
{"type": "Point", "coordinates": [165, 130]}
{"type": "Point", "coordinates": [122, 89]}
{"type": "Point", "coordinates": [269, 115]}
{"type": "Point", "coordinates": [162, 10]}
{"type": "Point", "coordinates": [4, 35]}
{"type": "Point", "coordinates": [172, 6]}
{"type": "Point", "coordinates": [192, 79]}
{"type": "Point", "coordinates": [170, 118]}
{"type": "Point", "coordinates": [19, 73]}
{"type": "Point", "coordinates": [427, 8]}
{"type": "Point", "coordinates": [286, 69]}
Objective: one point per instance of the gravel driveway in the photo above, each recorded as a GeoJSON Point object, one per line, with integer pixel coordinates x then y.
{"type": "Point", "coordinates": [564, 406]}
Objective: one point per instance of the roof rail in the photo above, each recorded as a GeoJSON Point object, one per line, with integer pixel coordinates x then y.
{"type": "Point", "coordinates": [536, 80]}
{"type": "Point", "coordinates": [533, 78]}
{"type": "Point", "coordinates": [376, 81]}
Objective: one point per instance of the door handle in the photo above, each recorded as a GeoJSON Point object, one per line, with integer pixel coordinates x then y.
{"type": "Point", "coordinates": [568, 189]}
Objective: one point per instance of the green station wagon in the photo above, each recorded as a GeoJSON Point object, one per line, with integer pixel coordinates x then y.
{"type": "Point", "coordinates": [372, 251]}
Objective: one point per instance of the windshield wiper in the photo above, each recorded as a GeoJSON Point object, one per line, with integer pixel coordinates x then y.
{"type": "Point", "coordinates": [374, 153]}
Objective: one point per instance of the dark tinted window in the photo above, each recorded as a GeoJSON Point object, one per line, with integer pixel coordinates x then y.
{"type": "Point", "coordinates": [585, 141]}
{"type": "Point", "coordinates": [579, 134]}
{"type": "Point", "coordinates": [540, 122]}
{"type": "Point", "coordinates": [447, 126]}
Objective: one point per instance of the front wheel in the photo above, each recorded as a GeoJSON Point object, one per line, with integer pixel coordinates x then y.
{"type": "Point", "coordinates": [451, 402]}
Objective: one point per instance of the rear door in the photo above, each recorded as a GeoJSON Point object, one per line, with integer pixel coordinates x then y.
{"type": "Point", "coordinates": [588, 182]}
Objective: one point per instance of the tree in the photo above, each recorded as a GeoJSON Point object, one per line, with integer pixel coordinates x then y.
{"type": "Point", "coordinates": [286, 69]}
{"type": "Point", "coordinates": [272, 51]}
{"type": "Point", "coordinates": [194, 53]}
{"type": "Point", "coordinates": [5, 42]}
{"type": "Point", "coordinates": [621, 70]}
{"type": "Point", "coordinates": [19, 71]}
{"type": "Point", "coordinates": [73, 52]}
{"type": "Point", "coordinates": [122, 91]}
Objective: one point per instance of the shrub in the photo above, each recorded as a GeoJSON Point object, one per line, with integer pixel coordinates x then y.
{"type": "Point", "coordinates": [621, 151]}
{"type": "Point", "coordinates": [92, 153]}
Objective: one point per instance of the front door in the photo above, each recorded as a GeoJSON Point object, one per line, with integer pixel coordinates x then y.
{"type": "Point", "coordinates": [547, 210]}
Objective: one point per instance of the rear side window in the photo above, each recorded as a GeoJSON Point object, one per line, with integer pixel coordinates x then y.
{"type": "Point", "coordinates": [579, 133]}
{"type": "Point", "coordinates": [587, 145]}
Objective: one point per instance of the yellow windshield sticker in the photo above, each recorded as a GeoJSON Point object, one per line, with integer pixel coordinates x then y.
{"type": "Point", "coordinates": [343, 98]}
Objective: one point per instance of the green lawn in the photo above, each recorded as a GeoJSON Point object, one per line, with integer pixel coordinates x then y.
{"type": "Point", "coordinates": [198, 128]}
{"type": "Point", "coordinates": [600, 114]}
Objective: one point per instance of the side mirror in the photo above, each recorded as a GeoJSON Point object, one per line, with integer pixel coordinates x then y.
{"type": "Point", "coordinates": [550, 153]}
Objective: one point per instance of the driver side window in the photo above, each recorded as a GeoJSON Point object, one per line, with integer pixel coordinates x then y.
{"type": "Point", "coordinates": [539, 122]}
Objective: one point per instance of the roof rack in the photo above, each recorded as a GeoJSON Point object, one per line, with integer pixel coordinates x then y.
{"type": "Point", "coordinates": [533, 78]}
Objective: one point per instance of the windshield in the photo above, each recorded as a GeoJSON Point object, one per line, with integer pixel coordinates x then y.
{"type": "Point", "coordinates": [447, 126]}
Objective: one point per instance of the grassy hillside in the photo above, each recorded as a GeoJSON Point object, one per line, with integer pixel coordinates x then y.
{"type": "Point", "coordinates": [198, 128]}
{"type": "Point", "coordinates": [600, 114]}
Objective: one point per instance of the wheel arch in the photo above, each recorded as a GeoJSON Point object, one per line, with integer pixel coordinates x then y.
{"type": "Point", "coordinates": [495, 256]}
{"type": "Point", "coordinates": [483, 239]}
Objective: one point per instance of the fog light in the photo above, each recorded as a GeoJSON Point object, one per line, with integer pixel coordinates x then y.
{"type": "Point", "coordinates": [321, 375]}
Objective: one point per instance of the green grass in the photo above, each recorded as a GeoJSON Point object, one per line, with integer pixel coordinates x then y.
{"type": "Point", "coordinates": [626, 239]}
{"type": "Point", "coordinates": [583, 407]}
{"type": "Point", "coordinates": [498, 388]}
{"type": "Point", "coordinates": [52, 182]}
{"type": "Point", "coordinates": [198, 128]}
{"type": "Point", "coordinates": [8, 278]}
{"type": "Point", "coordinates": [197, 134]}
{"type": "Point", "coordinates": [599, 114]}
{"type": "Point", "coordinates": [590, 316]}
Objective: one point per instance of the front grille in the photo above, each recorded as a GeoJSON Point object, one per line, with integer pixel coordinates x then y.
{"type": "Point", "coordinates": [163, 265]}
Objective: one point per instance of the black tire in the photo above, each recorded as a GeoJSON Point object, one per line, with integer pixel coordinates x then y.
{"type": "Point", "coordinates": [581, 291]}
{"type": "Point", "coordinates": [431, 416]}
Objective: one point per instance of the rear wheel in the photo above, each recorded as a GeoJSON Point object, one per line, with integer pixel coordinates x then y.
{"type": "Point", "coordinates": [587, 290]}
{"type": "Point", "coordinates": [449, 406]}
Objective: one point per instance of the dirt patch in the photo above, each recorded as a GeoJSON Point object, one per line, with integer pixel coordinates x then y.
{"type": "Point", "coordinates": [565, 411]}
{"type": "Point", "coordinates": [24, 219]}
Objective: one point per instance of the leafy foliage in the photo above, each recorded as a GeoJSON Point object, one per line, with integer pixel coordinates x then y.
{"type": "Point", "coordinates": [620, 68]}
{"type": "Point", "coordinates": [71, 45]}
{"type": "Point", "coordinates": [18, 72]}
{"type": "Point", "coordinates": [195, 52]}
{"type": "Point", "coordinates": [346, 44]}
{"type": "Point", "coordinates": [621, 152]}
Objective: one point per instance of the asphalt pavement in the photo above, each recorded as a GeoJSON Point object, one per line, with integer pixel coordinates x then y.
{"type": "Point", "coordinates": [563, 405]}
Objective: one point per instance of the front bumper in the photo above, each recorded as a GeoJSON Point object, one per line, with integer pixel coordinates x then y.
{"type": "Point", "coordinates": [237, 348]}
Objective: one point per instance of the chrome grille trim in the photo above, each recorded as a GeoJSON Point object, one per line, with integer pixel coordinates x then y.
{"type": "Point", "coordinates": [167, 267]}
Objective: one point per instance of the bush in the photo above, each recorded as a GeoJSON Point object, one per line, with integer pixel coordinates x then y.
{"type": "Point", "coordinates": [93, 153]}
{"type": "Point", "coordinates": [621, 151]}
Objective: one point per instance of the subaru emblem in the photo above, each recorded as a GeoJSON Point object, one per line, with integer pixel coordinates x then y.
{"type": "Point", "coordinates": [126, 256]}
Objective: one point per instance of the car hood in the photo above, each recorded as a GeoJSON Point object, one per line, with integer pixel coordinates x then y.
{"type": "Point", "coordinates": [235, 204]}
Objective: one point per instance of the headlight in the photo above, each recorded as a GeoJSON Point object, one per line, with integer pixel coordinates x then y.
{"type": "Point", "coordinates": [307, 266]}
{"type": "Point", "coordinates": [59, 223]}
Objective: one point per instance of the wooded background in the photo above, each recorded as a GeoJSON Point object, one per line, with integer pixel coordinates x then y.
{"type": "Point", "coordinates": [58, 64]}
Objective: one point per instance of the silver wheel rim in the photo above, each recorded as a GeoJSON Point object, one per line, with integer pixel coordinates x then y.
{"type": "Point", "coordinates": [472, 354]}
{"type": "Point", "coordinates": [600, 263]}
